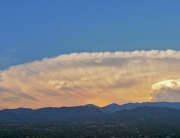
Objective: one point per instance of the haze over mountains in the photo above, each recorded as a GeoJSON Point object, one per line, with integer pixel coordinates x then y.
{"type": "Point", "coordinates": [130, 110]}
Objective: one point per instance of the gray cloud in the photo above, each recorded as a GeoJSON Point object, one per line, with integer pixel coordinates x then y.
{"type": "Point", "coordinates": [16, 95]}
{"type": "Point", "coordinates": [26, 96]}
{"type": "Point", "coordinates": [168, 90]}
{"type": "Point", "coordinates": [11, 99]}
{"type": "Point", "coordinates": [169, 95]}
{"type": "Point", "coordinates": [6, 90]}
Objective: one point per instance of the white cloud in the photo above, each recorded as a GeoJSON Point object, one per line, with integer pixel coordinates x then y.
{"type": "Point", "coordinates": [168, 90]}
{"type": "Point", "coordinates": [81, 78]}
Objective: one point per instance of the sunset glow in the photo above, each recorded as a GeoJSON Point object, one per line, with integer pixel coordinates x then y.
{"type": "Point", "coordinates": [98, 78]}
{"type": "Point", "coordinates": [72, 53]}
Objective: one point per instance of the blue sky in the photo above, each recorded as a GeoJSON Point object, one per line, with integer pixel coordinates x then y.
{"type": "Point", "coordinates": [32, 30]}
{"type": "Point", "coordinates": [142, 30]}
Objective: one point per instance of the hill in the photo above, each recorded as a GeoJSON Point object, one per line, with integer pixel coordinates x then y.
{"type": "Point", "coordinates": [90, 111]}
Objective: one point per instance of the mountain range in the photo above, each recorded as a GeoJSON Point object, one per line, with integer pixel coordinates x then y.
{"type": "Point", "coordinates": [129, 110]}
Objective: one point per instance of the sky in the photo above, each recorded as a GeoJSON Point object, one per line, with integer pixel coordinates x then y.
{"type": "Point", "coordinates": [76, 52]}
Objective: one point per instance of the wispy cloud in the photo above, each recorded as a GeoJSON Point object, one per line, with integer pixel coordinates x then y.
{"type": "Point", "coordinates": [81, 78]}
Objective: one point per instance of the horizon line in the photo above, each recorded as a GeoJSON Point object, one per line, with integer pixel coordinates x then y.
{"type": "Point", "coordinates": [86, 105]}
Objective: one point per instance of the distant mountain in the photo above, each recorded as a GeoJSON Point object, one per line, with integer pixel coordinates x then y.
{"type": "Point", "coordinates": [115, 107]}
{"type": "Point", "coordinates": [91, 111]}
{"type": "Point", "coordinates": [111, 108]}
{"type": "Point", "coordinates": [146, 111]}
{"type": "Point", "coordinates": [14, 114]}
{"type": "Point", "coordinates": [49, 113]}
{"type": "Point", "coordinates": [66, 112]}
{"type": "Point", "coordinates": [92, 105]}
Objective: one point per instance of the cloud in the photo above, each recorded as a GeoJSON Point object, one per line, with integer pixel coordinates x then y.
{"type": "Point", "coordinates": [11, 99]}
{"type": "Point", "coordinates": [26, 96]}
{"type": "Point", "coordinates": [3, 89]}
{"type": "Point", "coordinates": [16, 92]}
{"type": "Point", "coordinates": [81, 78]}
{"type": "Point", "coordinates": [168, 90]}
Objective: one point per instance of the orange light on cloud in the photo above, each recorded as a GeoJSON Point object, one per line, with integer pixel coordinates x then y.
{"type": "Point", "coordinates": [82, 78]}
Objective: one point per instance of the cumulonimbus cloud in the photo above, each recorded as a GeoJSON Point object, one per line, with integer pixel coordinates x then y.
{"type": "Point", "coordinates": [80, 78]}
{"type": "Point", "coordinates": [168, 90]}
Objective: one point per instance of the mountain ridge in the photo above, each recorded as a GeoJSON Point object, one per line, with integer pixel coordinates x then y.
{"type": "Point", "coordinates": [115, 106]}
{"type": "Point", "coordinates": [130, 110]}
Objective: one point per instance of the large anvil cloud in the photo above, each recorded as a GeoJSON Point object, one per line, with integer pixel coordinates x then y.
{"type": "Point", "coordinates": [80, 78]}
